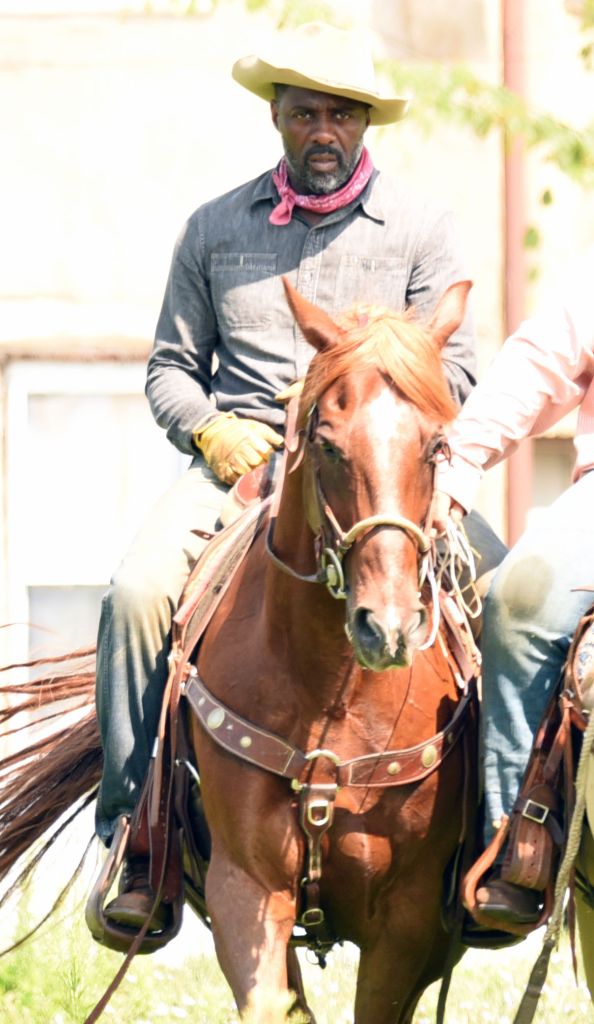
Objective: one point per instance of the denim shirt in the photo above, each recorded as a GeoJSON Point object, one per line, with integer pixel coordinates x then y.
{"type": "Point", "coordinates": [226, 339]}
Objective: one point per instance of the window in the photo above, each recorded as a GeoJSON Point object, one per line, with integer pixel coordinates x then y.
{"type": "Point", "coordinates": [84, 461]}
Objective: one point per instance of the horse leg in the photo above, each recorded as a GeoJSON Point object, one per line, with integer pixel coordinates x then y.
{"type": "Point", "coordinates": [296, 984]}
{"type": "Point", "coordinates": [251, 929]}
{"type": "Point", "coordinates": [395, 971]}
{"type": "Point", "coordinates": [386, 993]}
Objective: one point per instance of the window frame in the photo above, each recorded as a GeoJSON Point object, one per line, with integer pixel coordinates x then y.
{"type": "Point", "coordinates": [24, 379]}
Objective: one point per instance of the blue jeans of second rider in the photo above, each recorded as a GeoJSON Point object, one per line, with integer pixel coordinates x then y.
{"type": "Point", "coordinates": [532, 609]}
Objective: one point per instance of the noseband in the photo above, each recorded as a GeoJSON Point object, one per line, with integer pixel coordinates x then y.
{"type": "Point", "coordinates": [332, 543]}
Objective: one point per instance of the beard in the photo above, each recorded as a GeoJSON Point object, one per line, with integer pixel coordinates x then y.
{"type": "Point", "coordinates": [321, 183]}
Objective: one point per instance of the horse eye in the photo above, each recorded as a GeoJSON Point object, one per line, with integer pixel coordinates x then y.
{"type": "Point", "coordinates": [329, 450]}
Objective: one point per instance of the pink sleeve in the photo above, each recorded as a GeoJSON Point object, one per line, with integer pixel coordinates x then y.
{"type": "Point", "coordinates": [541, 372]}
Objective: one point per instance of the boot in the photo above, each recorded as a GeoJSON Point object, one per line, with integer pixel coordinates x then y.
{"type": "Point", "coordinates": [135, 900]}
{"type": "Point", "coordinates": [504, 901]}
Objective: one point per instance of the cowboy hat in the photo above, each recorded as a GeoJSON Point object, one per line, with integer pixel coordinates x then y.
{"type": "Point", "coordinates": [321, 57]}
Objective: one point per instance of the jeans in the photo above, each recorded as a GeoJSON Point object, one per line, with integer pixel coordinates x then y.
{"type": "Point", "coordinates": [531, 611]}
{"type": "Point", "coordinates": [133, 640]}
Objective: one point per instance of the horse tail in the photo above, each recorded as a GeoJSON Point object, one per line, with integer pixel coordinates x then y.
{"type": "Point", "coordinates": [52, 765]}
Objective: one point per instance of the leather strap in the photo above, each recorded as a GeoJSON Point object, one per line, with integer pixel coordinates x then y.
{"type": "Point", "coordinates": [460, 640]}
{"type": "Point", "coordinates": [272, 753]}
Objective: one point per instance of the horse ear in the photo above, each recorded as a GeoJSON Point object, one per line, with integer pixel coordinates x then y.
{"type": "Point", "coordinates": [449, 313]}
{"type": "Point", "coordinates": [318, 328]}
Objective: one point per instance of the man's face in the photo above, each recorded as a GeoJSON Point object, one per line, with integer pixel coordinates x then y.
{"type": "Point", "coordinates": [322, 137]}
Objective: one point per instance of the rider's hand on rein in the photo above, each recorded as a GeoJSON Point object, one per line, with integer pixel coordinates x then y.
{"type": "Point", "coordinates": [443, 509]}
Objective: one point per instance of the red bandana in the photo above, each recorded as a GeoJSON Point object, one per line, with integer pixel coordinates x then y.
{"type": "Point", "coordinates": [283, 211]}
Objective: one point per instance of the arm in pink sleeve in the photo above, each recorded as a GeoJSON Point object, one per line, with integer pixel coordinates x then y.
{"type": "Point", "coordinates": [541, 372]}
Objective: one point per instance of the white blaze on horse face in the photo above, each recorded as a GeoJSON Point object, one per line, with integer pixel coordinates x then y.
{"type": "Point", "coordinates": [388, 419]}
{"type": "Point", "coordinates": [383, 414]}
{"type": "Point", "coordinates": [385, 615]}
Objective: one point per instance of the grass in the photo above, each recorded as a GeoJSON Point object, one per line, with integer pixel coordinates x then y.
{"type": "Point", "coordinates": [57, 978]}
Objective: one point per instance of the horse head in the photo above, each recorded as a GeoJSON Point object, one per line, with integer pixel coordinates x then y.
{"type": "Point", "coordinates": [372, 415]}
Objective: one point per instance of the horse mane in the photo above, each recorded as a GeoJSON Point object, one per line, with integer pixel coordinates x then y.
{"type": "Point", "coordinates": [396, 345]}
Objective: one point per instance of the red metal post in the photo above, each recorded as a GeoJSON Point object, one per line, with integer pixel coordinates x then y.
{"type": "Point", "coordinates": [520, 465]}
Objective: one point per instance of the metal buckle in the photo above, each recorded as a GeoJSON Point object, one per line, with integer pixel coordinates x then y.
{"type": "Point", "coordinates": [319, 812]}
{"type": "Point", "coordinates": [535, 812]}
{"type": "Point", "coordinates": [323, 752]}
{"type": "Point", "coordinates": [312, 917]}
{"type": "Point", "coordinates": [331, 565]}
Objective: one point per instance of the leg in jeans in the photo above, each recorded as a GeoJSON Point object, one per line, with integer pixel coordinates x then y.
{"type": "Point", "coordinates": [133, 641]}
{"type": "Point", "coordinates": [531, 612]}
{"type": "Point", "coordinates": [489, 550]}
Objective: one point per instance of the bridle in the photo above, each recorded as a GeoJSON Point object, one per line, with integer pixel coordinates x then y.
{"type": "Point", "coordinates": [332, 543]}
{"type": "Point", "coordinates": [330, 553]}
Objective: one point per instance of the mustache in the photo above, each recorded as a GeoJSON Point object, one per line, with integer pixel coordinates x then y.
{"type": "Point", "coordinates": [317, 149]}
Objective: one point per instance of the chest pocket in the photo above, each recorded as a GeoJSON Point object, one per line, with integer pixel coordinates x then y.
{"type": "Point", "coordinates": [379, 279]}
{"type": "Point", "coordinates": [242, 287]}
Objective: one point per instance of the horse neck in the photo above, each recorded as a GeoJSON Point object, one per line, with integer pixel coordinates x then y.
{"type": "Point", "coordinates": [303, 613]}
{"type": "Point", "coordinates": [291, 535]}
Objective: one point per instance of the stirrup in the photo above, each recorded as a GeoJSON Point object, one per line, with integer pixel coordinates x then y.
{"type": "Point", "coordinates": [472, 882]}
{"type": "Point", "coordinates": [108, 933]}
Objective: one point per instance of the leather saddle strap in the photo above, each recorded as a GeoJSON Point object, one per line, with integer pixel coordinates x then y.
{"type": "Point", "coordinates": [542, 804]}
{"type": "Point", "coordinates": [264, 749]}
{"type": "Point", "coordinates": [460, 641]}
{"type": "Point", "coordinates": [316, 813]}
{"type": "Point", "coordinates": [204, 591]}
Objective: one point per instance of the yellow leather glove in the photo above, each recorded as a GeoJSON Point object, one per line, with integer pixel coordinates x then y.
{"type": "Point", "coordinates": [232, 446]}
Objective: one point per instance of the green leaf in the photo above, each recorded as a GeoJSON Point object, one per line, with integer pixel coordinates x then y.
{"type": "Point", "coordinates": [531, 237]}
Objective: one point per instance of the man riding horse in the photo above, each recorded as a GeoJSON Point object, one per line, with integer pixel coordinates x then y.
{"type": "Point", "coordinates": [340, 231]}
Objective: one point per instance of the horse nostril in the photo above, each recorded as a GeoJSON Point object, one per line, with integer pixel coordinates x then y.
{"type": "Point", "coordinates": [421, 621]}
{"type": "Point", "coordinates": [368, 630]}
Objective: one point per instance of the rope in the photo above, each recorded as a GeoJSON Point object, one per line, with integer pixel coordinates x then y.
{"type": "Point", "coordinates": [527, 1007]}
{"type": "Point", "coordinates": [436, 614]}
{"type": "Point", "coordinates": [457, 556]}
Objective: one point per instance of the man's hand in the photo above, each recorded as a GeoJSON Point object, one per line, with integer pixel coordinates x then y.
{"type": "Point", "coordinates": [443, 507]}
{"type": "Point", "coordinates": [232, 446]}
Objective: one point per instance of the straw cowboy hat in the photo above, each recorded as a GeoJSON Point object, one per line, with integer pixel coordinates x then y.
{"type": "Point", "coordinates": [321, 57]}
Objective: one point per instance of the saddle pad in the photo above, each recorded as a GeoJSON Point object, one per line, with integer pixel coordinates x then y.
{"type": "Point", "coordinates": [213, 573]}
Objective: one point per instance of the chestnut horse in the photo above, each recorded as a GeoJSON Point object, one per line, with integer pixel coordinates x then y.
{"type": "Point", "coordinates": [339, 680]}
{"type": "Point", "coordinates": [329, 649]}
